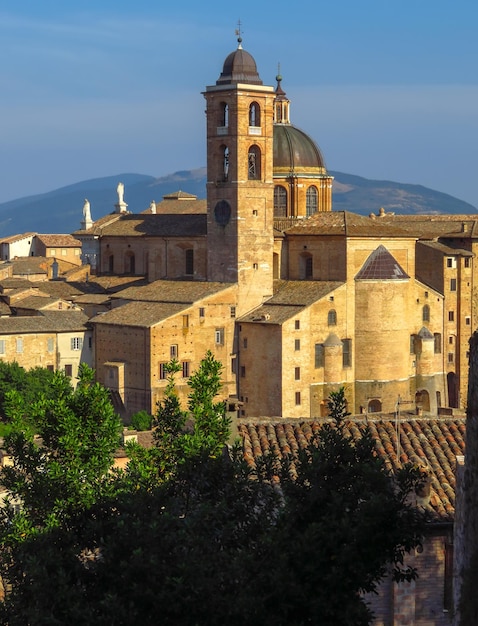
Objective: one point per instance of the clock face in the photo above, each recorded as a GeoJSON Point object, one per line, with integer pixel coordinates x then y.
{"type": "Point", "coordinates": [222, 212]}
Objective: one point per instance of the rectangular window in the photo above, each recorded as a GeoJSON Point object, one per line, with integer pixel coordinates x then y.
{"type": "Point", "coordinates": [255, 266]}
{"type": "Point", "coordinates": [189, 258]}
{"type": "Point", "coordinates": [219, 336]}
{"type": "Point", "coordinates": [297, 397]}
{"type": "Point", "coordinates": [76, 343]}
{"type": "Point", "coordinates": [2, 346]}
{"type": "Point", "coordinates": [233, 311]}
{"type": "Point", "coordinates": [50, 368]}
{"type": "Point", "coordinates": [69, 370]}
{"type": "Point", "coordinates": [297, 344]}
{"type": "Point", "coordinates": [450, 340]}
{"type": "Point", "coordinates": [163, 374]}
{"type": "Point", "coordinates": [90, 342]}
{"type": "Point", "coordinates": [346, 352]}
{"type": "Point", "coordinates": [234, 365]}
{"type": "Point", "coordinates": [52, 252]}
{"type": "Point", "coordinates": [243, 371]}
{"type": "Point", "coordinates": [319, 355]}
{"type": "Point", "coordinates": [185, 321]}
{"type": "Point", "coordinates": [297, 373]}
{"type": "Point", "coordinates": [412, 343]}
{"type": "Point", "coordinates": [452, 284]}
{"type": "Point", "coordinates": [244, 342]}
{"type": "Point", "coordinates": [309, 267]}
{"type": "Point", "coordinates": [468, 321]}
{"type": "Point", "coordinates": [451, 316]}
{"type": "Point", "coordinates": [297, 324]}
{"type": "Point", "coordinates": [467, 261]}
{"type": "Point", "coordinates": [19, 345]}
{"type": "Point", "coordinates": [186, 369]}
{"type": "Point", "coordinates": [63, 252]}
{"type": "Point", "coordinates": [202, 311]}
{"type": "Point", "coordinates": [437, 345]}
{"type": "Point", "coordinates": [173, 351]}
{"type": "Point", "coordinates": [50, 344]}
{"type": "Point", "coordinates": [451, 357]}
{"type": "Point", "coordinates": [451, 262]}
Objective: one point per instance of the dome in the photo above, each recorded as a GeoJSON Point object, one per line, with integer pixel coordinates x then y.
{"type": "Point", "coordinates": [239, 67]}
{"type": "Point", "coordinates": [294, 150]}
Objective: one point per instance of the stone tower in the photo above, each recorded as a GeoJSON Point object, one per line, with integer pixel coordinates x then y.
{"type": "Point", "coordinates": [240, 111]}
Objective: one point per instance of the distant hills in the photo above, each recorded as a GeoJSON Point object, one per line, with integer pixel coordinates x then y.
{"type": "Point", "coordinates": [60, 211]}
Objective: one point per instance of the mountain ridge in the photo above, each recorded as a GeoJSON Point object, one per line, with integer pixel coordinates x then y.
{"type": "Point", "coordinates": [60, 210]}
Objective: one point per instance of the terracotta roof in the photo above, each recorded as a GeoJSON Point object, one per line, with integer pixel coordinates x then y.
{"type": "Point", "coordinates": [14, 238]}
{"type": "Point", "coordinates": [157, 225]}
{"type": "Point", "coordinates": [99, 224]}
{"type": "Point", "coordinates": [179, 203]}
{"type": "Point", "coordinates": [59, 241]}
{"type": "Point", "coordinates": [381, 265]}
{"type": "Point", "coordinates": [444, 248]}
{"type": "Point", "coordinates": [183, 291]}
{"type": "Point", "coordinates": [349, 225]}
{"type": "Point", "coordinates": [440, 225]}
{"type": "Point", "coordinates": [30, 265]}
{"type": "Point", "coordinates": [139, 314]}
{"type": "Point", "coordinates": [34, 303]}
{"type": "Point", "coordinates": [47, 322]}
{"type": "Point", "coordinates": [432, 444]}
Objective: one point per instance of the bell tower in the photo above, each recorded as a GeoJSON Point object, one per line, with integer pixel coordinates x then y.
{"type": "Point", "coordinates": [240, 196]}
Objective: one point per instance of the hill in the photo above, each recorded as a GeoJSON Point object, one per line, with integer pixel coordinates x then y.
{"type": "Point", "coordinates": [60, 211]}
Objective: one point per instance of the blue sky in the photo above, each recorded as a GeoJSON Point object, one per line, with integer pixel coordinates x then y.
{"type": "Point", "coordinates": [388, 89]}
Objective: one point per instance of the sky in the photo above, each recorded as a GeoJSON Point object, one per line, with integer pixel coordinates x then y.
{"type": "Point", "coordinates": [388, 89]}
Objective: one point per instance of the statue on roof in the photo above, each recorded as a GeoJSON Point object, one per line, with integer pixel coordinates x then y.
{"type": "Point", "coordinates": [120, 190]}
{"type": "Point", "coordinates": [86, 211]}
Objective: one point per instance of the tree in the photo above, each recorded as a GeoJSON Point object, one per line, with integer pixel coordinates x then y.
{"type": "Point", "coordinates": [214, 542]}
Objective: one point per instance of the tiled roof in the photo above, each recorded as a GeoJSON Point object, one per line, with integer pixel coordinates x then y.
{"type": "Point", "coordinates": [14, 238]}
{"type": "Point", "coordinates": [99, 224]}
{"type": "Point", "coordinates": [30, 265]}
{"type": "Point", "coordinates": [157, 225]}
{"type": "Point", "coordinates": [183, 291]}
{"type": "Point", "coordinates": [59, 241]}
{"type": "Point", "coordinates": [35, 303]}
{"type": "Point", "coordinates": [431, 444]}
{"type": "Point", "coordinates": [347, 224]}
{"type": "Point", "coordinates": [47, 322]}
{"type": "Point", "coordinates": [381, 265]}
{"type": "Point", "coordinates": [444, 248]}
{"type": "Point", "coordinates": [175, 204]}
{"type": "Point", "coordinates": [139, 314]}
{"type": "Point", "coordinates": [440, 225]}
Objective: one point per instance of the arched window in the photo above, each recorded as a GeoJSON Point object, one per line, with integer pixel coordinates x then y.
{"type": "Point", "coordinates": [225, 162]}
{"type": "Point", "coordinates": [426, 313]}
{"type": "Point", "coordinates": [374, 406]}
{"type": "Point", "coordinates": [311, 200]}
{"type": "Point", "coordinates": [254, 163]}
{"type": "Point", "coordinates": [224, 118]}
{"type": "Point", "coordinates": [332, 317]}
{"type": "Point", "coordinates": [280, 201]}
{"type": "Point", "coordinates": [254, 114]}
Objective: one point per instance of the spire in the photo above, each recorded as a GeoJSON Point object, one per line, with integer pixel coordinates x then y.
{"type": "Point", "coordinates": [282, 103]}
{"type": "Point", "coordinates": [238, 34]}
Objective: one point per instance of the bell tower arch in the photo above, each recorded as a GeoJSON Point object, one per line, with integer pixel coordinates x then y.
{"type": "Point", "coordinates": [240, 196]}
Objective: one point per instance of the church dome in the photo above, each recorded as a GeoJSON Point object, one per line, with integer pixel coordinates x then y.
{"type": "Point", "coordinates": [239, 67]}
{"type": "Point", "coordinates": [295, 151]}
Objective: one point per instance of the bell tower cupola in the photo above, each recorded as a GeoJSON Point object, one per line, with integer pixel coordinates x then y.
{"type": "Point", "coordinates": [240, 197]}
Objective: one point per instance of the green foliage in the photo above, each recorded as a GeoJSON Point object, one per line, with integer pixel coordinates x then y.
{"type": "Point", "coordinates": [202, 539]}
{"type": "Point", "coordinates": [141, 420]}
{"type": "Point", "coordinates": [29, 383]}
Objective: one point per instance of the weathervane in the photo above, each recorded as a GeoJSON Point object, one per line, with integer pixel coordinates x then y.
{"type": "Point", "coordinates": [239, 33]}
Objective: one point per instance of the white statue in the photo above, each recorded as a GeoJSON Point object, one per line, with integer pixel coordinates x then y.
{"type": "Point", "coordinates": [120, 190]}
{"type": "Point", "coordinates": [86, 211]}
{"type": "Point", "coordinates": [152, 207]}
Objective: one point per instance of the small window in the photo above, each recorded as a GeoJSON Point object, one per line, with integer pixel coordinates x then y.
{"type": "Point", "coordinates": [173, 351]}
{"type": "Point", "coordinates": [453, 284]}
{"type": "Point", "coordinates": [52, 252]}
{"type": "Point", "coordinates": [50, 344]}
{"type": "Point", "coordinates": [450, 339]}
{"type": "Point", "coordinates": [311, 200]}
{"type": "Point", "coordinates": [426, 313]}
{"type": "Point", "coordinates": [63, 252]}
{"type": "Point", "coordinates": [309, 267]}
{"type": "Point", "coordinates": [468, 320]}
{"type": "Point", "coordinates": [255, 266]}
{"type": "Point", "coordinates": [297, 344]}
{"type": "Point", "coordinates": [163, 374]}
{"type": "Point", "coordinates": [346, 352]}
{"type": "Point", "coordinates": [185, 321]}
{"type": "Point", "coordinates": [243, 371]}
{"type": "Point", "coordinates": [332, 317]}
{"type": "Point", "coordinates": [297, 373]}
{"type": "Point", "coordinates": [50, 368]}
{"type": "Point", "coordinates": [437, 344]}
{"type": "Point", "coordinates": [451, 316]}
{"type": "Point", "coordinates": [319, 355]}
{"type": "Point", "coordinates": [19, 345]}
{"type": "Point", "coordinates": [233, 311]}
{"type": "Point", "coordinates": [219, 336]}
{"type": "Point", "coordinates": [201, 311]}
{"type": "Point", "coordinates": [297, 324]}
{"type": "Point", "coordinates": [90, 342]}
{"type": "Point", "coordinates": [467, 261]}
{"type": "Point", "coordinates": [2, 346]}
{"type": "Point", "coordinates": [69, 370]}
{"type": "Point", "coordinates": [186, 369]}
{"type": "Point", "coordinates": [76, 343]}
{"type": "Point", "coordinates": [189, 260]}
{"type": "Point", "coordinates": [451, 262]}
{"type": "Point", "coordinates": [413, 344]}
{"type": "Point", "coordinates": [254, 163]}
{"type": "Point", "coordinates": [244, 342]}
{"type": "Point", "coordinates": [451, 357]}
{"type": "Point", "coordinates": [297, 398]}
